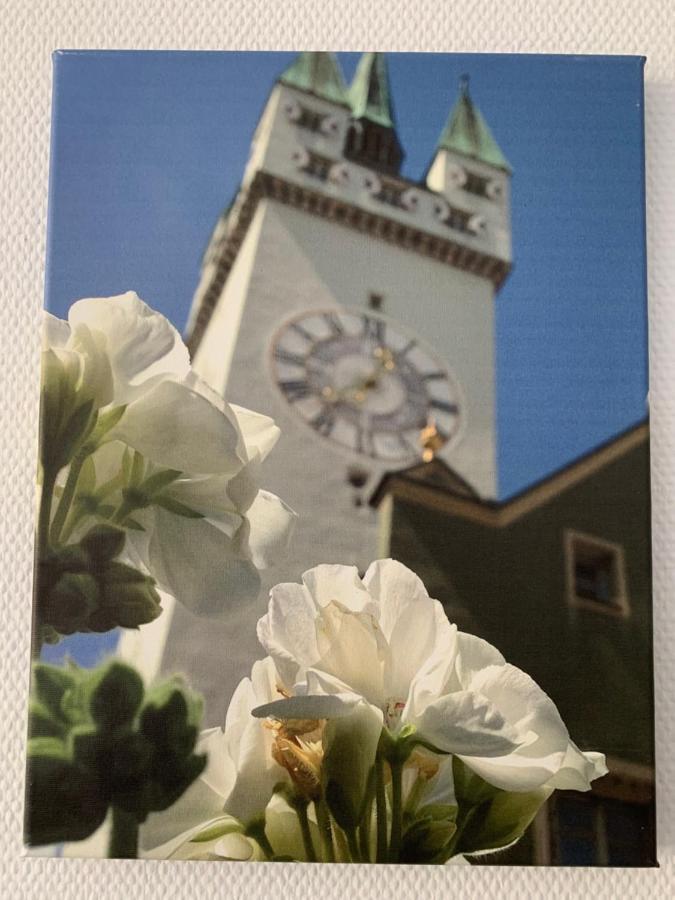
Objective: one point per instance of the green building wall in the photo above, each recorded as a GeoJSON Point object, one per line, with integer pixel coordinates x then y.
{"type": "Point", "coordinates": [508, 585]}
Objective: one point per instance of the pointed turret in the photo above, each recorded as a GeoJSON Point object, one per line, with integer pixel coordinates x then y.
{"type": "Point", "coordinates": [466, 132]}
{"type": "Point", "coordinates": [470, 170]}
{"type": "Point", "coordinates": [317, 73]}
{"type": "Point", "coordinates": [372, 138]}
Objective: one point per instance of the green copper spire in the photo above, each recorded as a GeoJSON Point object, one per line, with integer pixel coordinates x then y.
{"type": "Point", "coordinates": [317, 73]}
{"type": "Point", "coordinates": [467, 132]}
{"type": "Point", "coordinates": [369, 93]}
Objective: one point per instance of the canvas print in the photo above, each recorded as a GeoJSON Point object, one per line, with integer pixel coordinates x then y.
{"type": "Point", "coordinates": [342, 534]}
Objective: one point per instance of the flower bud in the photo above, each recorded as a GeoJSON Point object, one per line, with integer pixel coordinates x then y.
{"type": "Point", "coordinates": [115, 695]}
{"type": "Point", "coordinates": [103, 543]}
{"type": "Point", "coordinates": [128, 599]}
{"type": "Point", "coordinates": [425, 839]}
{"type": "Point", "coordinates": [70, 602]}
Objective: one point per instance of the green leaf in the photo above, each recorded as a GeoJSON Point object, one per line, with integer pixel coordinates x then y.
{"type": "Point", "coordinates": [137, 469]}
{"type": "Point", "coordinates": [116, 693]}
{"type": "Point", "coordinates": [174, 506]}
{"type": "Point", "coordinates": [48, 747]}
{"type": "Point", "coordinates": [225, 825]}
{"type": "Point", "coordinates": [350, 745]}
{"type": "Point", "coordinates": [86, 483]}
{"type": "Point", "coordinates": [50, 684]}
{"type": "Point", "coordinates": [127, 458]}
{"type": "Point", "coordinates": [154, 483]}
{"type": "Point", "coordinates": [107, 420]}
{"type": "Point", "coordinates": [76, 430]}
{"type": "Point", "coordinates": [470, 788]}
{"type": "Point", "coordinates": [425, 839]}
{"type": "Point", "coordinates": [134, 524]}
{"type": "Point", "coordinates": [63, 801]}
{"type": "Point", "coordinates": [503, 822]}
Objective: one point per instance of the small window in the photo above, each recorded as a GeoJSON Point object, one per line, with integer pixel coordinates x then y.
{"type": "Point", "coordinates": [375, 301]}
{"type": "Point", "coordinates": [595, 573]}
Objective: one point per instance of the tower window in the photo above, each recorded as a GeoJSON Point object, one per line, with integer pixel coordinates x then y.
{"type": "Point", "coordinates": [475, 184]}
{"type": "Point", "coordinates": [375, 301]}
{"type": "Point", "coordinates": [595, 574]}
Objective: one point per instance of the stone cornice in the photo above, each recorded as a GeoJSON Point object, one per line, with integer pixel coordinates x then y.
{"type": "Point", "coordinates": [376, 225]}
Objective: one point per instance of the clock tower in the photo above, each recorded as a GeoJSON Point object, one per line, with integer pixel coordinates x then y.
{"type": "Point", "coordinates": [356, 307]}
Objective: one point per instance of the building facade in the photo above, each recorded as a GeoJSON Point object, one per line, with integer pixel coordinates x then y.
{"type": "Point", "coordinates": [558, 578]}
{"type": "Point", "coordinates": [356, 307]}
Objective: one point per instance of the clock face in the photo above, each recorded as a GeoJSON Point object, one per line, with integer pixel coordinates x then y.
{"type": "Point", "coordinates": [358, 379]}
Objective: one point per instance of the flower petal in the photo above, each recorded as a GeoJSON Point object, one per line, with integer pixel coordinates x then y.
{"type": "Point", "coordinates": [473, 655]}
{"type": "Point", "coordinates": [55, 332]}
{"type": "Point", "coordinates": [415, 626]}
{"type": "Point", "coordinates": [288, 631]}
{"type": "Point", "coordinates": [466, 723]}
{"type": "Point", "coordinates": [272, 524]}
{"type": "Point", "coordinates": [174, 426]}
{"type": "Point", "coordinates": [260, 432]}
{"type": "Point", "coordinates": [339, 584]}
{"type": "Point", "coordinates": [578, 769]}
{"type": "Point", "coordinates": [525, 706]}
{"type": "Point", "coordinates": [141, 343]}
{"type": "Point", "coordinates": [216, 576]}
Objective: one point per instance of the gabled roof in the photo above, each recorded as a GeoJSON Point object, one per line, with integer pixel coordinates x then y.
{"type": "Point", "coordinates": [318, 73]}
{"type": "Point", "coordinates": [369, 94]}
{"type": "Point", "coordinates": [421, 484]}
{"type": "Point", "coordinates": [467, 132]}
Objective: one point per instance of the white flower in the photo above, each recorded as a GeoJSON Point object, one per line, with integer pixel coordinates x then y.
{"type": "Point", "coordinates": [384, 640]}
{"type": "Point", "coordinates": [210, 529]}
{"type": "Point", "coordinates": [123, 344]}
{"type": "Point", "coordinates": [218, 449]}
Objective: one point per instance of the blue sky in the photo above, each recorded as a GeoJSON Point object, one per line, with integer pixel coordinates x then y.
{"type": "Point", "coordinates": [148, 148]}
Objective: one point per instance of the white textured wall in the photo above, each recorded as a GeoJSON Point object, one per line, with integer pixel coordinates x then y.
{"type": "Point", "coordinates": [31, 31]}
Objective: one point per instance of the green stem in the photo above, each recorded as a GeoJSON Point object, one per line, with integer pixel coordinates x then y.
{"type": "Point", "coordinates": [380, 811]}
{"type": "Point", "coordinates": [364, 831]}
{"type": "Point", "coordinates": [256, 830]}
{"type": "Point", "coordinates": [396, 810]}
{"type": "Point", "coordinates": [124, 835]}
{"type": "Point", "coordinates": [42, 543]}
{"type": "Point", "coordinates": [67, 495]}
{"type": "Point", "coordinates": [352, 843]}
{"type": "Point", "coordinates": [341, 844]}
{"type": "Point", "coordinates": [301, 810]}
{"type": "Point", "coordinates": [46, 499]}
{"type": "Point", "coordinates": [325, 831]}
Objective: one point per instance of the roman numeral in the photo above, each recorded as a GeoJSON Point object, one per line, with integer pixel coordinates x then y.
{"type": "Point", "coordinates": [442, 406]}
{"type": "Point", "coordinates": [295, 390]}
{"type": "Point", "coordinates": [298, 329]}
{"type": "Point", "coordinates": [374, 329]}
{"type": "Point", "coordinates": [433, 376]}
{"type": "Point", "coordinates": [324, 422]}
{"type": "Point", "coordinates": [293, 359]}
{"type": "Point", "coordinates": [363, 442]}
{"type": "Point", "coordinates": [334, 324]}
{"type": "Point", "coordinates": [408, 347]}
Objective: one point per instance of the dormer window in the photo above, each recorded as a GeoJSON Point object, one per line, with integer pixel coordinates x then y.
{"type": "Point", "coordinates": [310, 119]}
{"type": "Point", "coordinates": [476, 184]}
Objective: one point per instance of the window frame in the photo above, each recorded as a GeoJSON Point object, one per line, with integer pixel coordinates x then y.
{"type": "Point", "coordinates": [619, 607]}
